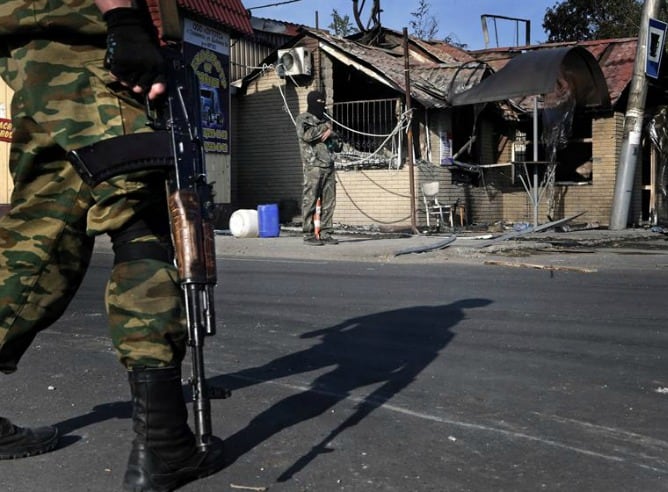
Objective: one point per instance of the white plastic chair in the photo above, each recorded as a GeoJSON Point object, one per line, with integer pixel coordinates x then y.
{"type": "Point", "coordinates": [433, 208]}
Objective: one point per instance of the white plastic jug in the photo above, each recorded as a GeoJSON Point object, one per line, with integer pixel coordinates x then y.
{"type": "Point", "coordinates": [243, 223]}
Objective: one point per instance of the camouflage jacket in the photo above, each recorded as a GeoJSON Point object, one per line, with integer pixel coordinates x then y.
{"type": "Point", "coordinates": [314, 152]}
{"type": "Point", "coordinates": [50, 18]}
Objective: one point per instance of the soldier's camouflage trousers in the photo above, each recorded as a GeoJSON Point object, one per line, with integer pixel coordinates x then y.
{"type": "Point", "coordinates": [319, 182]}
{"type": "Point", "coordinates": [62, 101]}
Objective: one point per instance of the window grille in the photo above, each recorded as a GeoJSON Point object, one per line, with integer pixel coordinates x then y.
{"type": "Point", "coordinates": [371, 132]}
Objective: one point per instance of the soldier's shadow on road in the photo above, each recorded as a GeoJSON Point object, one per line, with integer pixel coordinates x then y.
{"type": "Point", "coordinates": [99, 413]}
{"type": "Point", "coordinates": [387, 349]}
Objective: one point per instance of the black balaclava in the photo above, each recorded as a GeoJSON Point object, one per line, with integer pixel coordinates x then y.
{"type": "Point", "coordinates": [316, 104]}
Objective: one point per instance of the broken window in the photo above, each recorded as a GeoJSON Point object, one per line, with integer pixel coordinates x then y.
{"type": "Point", "coordinates": [575, 160]}
{"type": "Point", "coordinates": [372, 132]}
{"type": "Point", "coordinates": [573, 157]}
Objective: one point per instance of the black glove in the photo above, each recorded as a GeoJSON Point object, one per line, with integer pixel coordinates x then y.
{"type": "Point", "coordinates": [133, 54]}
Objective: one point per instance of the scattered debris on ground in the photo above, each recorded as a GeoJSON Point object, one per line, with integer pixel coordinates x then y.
{"type": "Point", "coordinates": [541, 267]}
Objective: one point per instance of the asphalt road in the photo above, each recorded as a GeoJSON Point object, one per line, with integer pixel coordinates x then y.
{"type": "Point", "coordinates": [383, 376]}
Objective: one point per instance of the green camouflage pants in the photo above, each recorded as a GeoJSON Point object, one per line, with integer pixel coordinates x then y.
{"type": "Point", "coordinates": [62, 101]}
{"type": "Point", "coordinates": [319, 182]}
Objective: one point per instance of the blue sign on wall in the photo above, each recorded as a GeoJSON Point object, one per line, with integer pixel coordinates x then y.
{"type": "Point", "coordinates": [656, 40]}
{"type": "Point", "coordinates": [208, 51]}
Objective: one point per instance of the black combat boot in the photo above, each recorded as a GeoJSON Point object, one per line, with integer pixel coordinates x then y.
{"type": "Point", "coordinates": [17, 442]}
{"type": "Point", "coordinates": [164, 455]}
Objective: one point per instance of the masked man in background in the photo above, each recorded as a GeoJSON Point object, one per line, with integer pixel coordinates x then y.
{"type": "Point", "coordinates": [317, 144]}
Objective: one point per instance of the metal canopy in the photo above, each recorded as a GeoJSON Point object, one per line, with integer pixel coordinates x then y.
{"type": "Point", "coordinates": [541, 72]}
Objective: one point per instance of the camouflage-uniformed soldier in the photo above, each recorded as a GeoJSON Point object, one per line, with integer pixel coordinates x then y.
{"type": "Point", "coordinates": [317, 144]}
{"type": "Point", "coordinates": [57, 56]}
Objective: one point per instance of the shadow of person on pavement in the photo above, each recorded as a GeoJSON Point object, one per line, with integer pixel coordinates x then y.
{"type": "Point", "coordinates": [100, 413]}
{"type": "Point", "coordinates": [387, 349]}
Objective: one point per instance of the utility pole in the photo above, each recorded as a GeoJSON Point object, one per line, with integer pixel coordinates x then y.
{"type": "Point", "coordinates": [631, 150]}
{"type": "Point", "coordinates": [409, 139]}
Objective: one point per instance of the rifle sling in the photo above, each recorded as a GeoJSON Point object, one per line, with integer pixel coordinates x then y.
{"type": "Point", "coordinates": [141, 251]}
{"type": "Point", "coordinates": [122, 155]}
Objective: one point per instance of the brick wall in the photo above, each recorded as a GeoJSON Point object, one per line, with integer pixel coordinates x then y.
{"type": "Point", "coordinates": [374, 196]}
{"type": "Point", "coordinates": [596, 200]}
{"type": "Point", "coordinates": [500, 199]}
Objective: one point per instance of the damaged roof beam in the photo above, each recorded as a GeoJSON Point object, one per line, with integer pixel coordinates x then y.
{"type": "Point", "coordinates": [347, 61]}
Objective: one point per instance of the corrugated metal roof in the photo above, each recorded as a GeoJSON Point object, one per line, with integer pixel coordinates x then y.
{"type": "Point", "coordinates": [616, 57]}
{"type": "Point", "coordinates": [444, 51]}
{"type": "Point", "coordinates": [617, 60]}
{"type": "Point", "coordinates": [444, 80]}
{"type": "Point", "coordinates": [423, 51]}
{"type": "Point", "coordinates": [567, 69]}
{"type": "Point", "coordinates": [264, 25]}
{"type": "Point", "coordinates": [434, 72]}
{"type": "Point", "coordinates": [230, 13]}
{"type": "Point", "coordinates": [439, 70]}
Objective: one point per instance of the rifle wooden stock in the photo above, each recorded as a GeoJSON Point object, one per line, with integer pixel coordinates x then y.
{"type": "Point", "coordinates": [190, 203]}
{"type": "Point", "coordinates": [188, 234]}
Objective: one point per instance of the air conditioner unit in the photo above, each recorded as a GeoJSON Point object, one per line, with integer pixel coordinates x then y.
{"type": "Point", "coordinates": [294, 61]}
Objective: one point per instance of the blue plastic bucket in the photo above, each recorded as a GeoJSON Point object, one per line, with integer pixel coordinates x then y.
{"type": "Point", "coordinates": [267, 220]}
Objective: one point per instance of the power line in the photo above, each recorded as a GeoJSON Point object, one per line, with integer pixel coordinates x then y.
{"type": "Point", "coordinates": [273, 4]}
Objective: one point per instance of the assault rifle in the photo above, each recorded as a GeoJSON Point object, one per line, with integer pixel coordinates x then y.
{"type": "Point", "coordinates": [175, 146]}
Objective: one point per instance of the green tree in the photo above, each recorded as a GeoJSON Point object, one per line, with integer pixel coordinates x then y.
{"type": "Point", "coordinates": [423, 25]}
{"type": "Point", "coordinates": [341, 24]}
{"type": "Point", "coordinates": [581, 20]}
